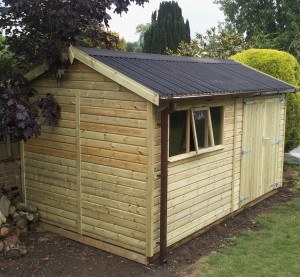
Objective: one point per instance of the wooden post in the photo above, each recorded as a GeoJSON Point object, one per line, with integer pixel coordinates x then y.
{"type": "Point", "coordinates": [150, 180]}
{"type": "Point", "coordinates": [78, 161]}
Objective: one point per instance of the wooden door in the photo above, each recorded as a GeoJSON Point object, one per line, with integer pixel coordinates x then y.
{"type": "Point", "coordinates": [271, 141]}
{"type": "Point", "coordinates": [260, 141]}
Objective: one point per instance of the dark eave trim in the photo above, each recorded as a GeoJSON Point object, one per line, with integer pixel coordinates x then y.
{"type": "Point", "coordinates": [207, 97]}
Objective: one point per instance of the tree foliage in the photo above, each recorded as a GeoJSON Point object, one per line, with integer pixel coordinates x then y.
{"type": "Point", "coordinates": [19, 117]}
{"type": "Point", "coordinates": [7, 59]}
{"type": "Point", "coordinates": [267, 23]}
{"type": "Point", "coordinates": [42, 30]}
{"type": "Point", "coordinates": [137, 46]}
{"type": "Point", "coordinates": [92, 37]}
{"type": "Point", "coordinates": [38, 32]}
{"type": "Point", "coordinates": [167, 29]}
{"type": "Point", "coordinates": [215, 43]}
{"type": "Point", "coordinates": [133, 47]}
{"type": "Point", "coordinates": [285, 67]}
{"type": "Point", "coordinates": [140, 30]}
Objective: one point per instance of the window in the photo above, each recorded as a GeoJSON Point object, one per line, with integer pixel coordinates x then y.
{"type": "Point", "coordinates": [195, 131]}
{"type": "Point", "coordinates": [178, 127]}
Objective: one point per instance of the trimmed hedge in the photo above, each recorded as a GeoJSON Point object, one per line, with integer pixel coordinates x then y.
{"type": "Point", "coordinates": [285, 67]}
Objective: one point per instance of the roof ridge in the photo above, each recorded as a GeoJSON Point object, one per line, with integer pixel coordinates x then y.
{"type": "Point", "coordinates": [153, 57]}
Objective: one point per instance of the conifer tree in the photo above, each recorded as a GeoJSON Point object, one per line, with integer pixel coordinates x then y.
{"type": "Point", "coordinates": [167, 29]}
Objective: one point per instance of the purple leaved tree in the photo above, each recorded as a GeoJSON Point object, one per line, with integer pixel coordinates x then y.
{"type": "Point", "coordinates": [41, 31]}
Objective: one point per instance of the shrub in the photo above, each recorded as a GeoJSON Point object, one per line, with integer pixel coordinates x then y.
{"type": "Point", "coordinates": [285, 67]}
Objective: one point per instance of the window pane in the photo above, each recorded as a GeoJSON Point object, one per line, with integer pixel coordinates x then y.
{"type": "Point", "coordinates": [192, 143]}
{"type": "Point", "coordinates": [201, 118]}
{"type": "Point", "coordinates": [177, 143]}
{"type": "Point", "coordinates": [216, 119]}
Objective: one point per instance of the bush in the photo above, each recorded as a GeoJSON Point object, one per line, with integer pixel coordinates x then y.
{"type": "Point", "coordinates": [285, 67]}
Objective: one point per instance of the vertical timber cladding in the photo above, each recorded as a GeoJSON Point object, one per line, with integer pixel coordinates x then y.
{"type": "Point", "coordinates": [262, 146]}
{"type": "Point", "coordinates": [203, 188]}
{"type": "Point", "coordinates": [103, 135]}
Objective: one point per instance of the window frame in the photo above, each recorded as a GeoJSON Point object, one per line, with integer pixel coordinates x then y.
{"type": "Point", "coordinates": [191, 130]}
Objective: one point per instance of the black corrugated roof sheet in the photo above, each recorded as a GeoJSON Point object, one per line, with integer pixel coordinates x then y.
{"type": "Point", "coordinates": [183, 76]}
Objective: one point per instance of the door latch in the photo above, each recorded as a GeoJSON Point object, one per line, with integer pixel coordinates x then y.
{"type": "Point", "coordinates": [277, 141]}
{"type": "Point", "coordinates": [246, 151]}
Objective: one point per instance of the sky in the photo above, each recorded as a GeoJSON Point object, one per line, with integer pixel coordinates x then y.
{"type": "Point", "coordinates": [202, 15]}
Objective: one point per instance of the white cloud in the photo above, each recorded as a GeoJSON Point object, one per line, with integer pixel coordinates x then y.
{"type": "Point", "coordinates": [202, 15]}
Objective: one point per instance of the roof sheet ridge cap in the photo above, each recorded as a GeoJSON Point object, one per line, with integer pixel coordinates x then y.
{"type": "Point", "coordinates": [156, 57]}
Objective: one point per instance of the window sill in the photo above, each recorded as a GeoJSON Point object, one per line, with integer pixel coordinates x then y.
{"type": "Point", "coordinates": [194, 153]}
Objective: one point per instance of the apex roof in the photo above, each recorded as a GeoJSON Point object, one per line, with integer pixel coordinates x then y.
{"type": "Point", "coordinates": [160, 77]}
{"type": "Point", "coordinates": [171, 76]}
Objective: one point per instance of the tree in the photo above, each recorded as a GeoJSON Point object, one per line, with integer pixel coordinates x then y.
{"type": "Point", "coordinates": [134, 47]}
{"type": "Point", "coordinates": [285, 67]}
{"type": "Point", "coordinates": [137, 46]}
{"type": "Point", "coordinates": [267, 23]}
{"type": "Point", "coordinates": [43, 30]}
{"type": "Point", "coordinates": [39, 32]}
{"type": "Point", "coordinates": [92, 38]}
{"type": "Point", "coordinates": [215, 43]}
{"type": "Point", "coordinates": [141, 29]}
{"type": "Point", "coordinates": [7, 58]}
{"type": "Point", "coordinates": [167, 29]}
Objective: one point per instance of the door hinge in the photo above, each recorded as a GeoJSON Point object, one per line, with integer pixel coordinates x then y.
{"type": "Point", "coordinates": [277, 141]}
{"type": "Point", "coordinates": [244, 198]}
{"type": "Point", "coordinates": [249, 102]}
{"type": "Point", "coordinates": [282, 98]}
{"type": "Point", "coordinates": [246, 151]}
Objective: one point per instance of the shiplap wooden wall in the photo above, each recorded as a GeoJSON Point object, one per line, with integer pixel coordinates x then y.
{"type": "Point", "coordinates": [89, 174]}
{"type": "Point", "coordinates": [203, 188]}
{"type": "Point", "coordinates": [98, 172]}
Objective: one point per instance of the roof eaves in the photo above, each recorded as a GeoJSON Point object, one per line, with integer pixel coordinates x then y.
{"type": "Point", "coordinates": [224, 95]}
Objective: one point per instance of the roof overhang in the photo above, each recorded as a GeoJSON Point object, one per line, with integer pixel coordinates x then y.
{"type": "Point", "coordinates": [209, 97]}
{"type": "Point", "coordinates": [141, 90]}
{"type": "Point", "coordinates": [75, 53]}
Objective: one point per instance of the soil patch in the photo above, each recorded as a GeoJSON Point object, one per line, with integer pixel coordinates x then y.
{"type": "Point", "coordinates": [53, 255]}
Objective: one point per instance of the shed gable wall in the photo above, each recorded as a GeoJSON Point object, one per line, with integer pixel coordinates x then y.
{"type": "Point", "coordinates": [89, 174]}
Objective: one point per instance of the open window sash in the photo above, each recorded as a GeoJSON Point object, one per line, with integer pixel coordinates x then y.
{"type": "Point", "coordinates": [202, 129]}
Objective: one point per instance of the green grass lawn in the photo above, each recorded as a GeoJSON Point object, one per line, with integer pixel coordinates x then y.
{"type": "Point", "coordinates": [274, 250]}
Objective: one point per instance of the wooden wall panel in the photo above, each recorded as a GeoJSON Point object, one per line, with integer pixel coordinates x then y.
{"type": "Point", "coordinates": [202, 188]}
{"type": "Point", "coordinates": [89, 174]}
{"type": "Point", "coordinates": [113, 139]}
{"type": "Point", "coordinates": [50, 162]}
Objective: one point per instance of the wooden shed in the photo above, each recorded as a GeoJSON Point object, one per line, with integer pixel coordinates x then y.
{"type": "Point", "coordinates": [151, 150]}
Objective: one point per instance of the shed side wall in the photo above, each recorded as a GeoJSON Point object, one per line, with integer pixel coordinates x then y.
{"type": "Point", "coordinates": [106, 141]}
{"type": "Point", "coordinates": [200, 188]}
